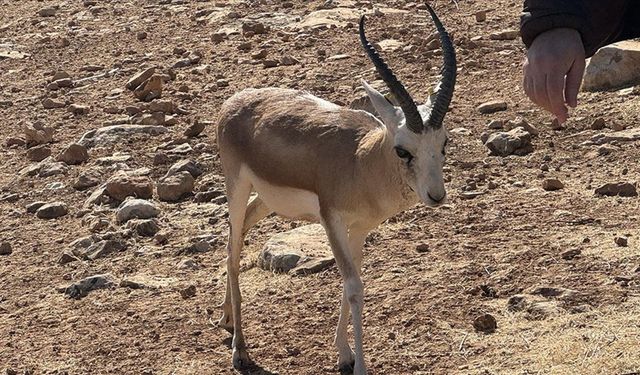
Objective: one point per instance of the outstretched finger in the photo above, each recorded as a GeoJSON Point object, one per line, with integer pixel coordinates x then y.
{"type": "Point", "coordinates": [555, 94]}
{"type": "Point", "coordinates": [573, 82]}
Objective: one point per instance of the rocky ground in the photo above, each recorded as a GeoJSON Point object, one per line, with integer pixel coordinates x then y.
{"type": "Point", "coordinates": [113, 207]}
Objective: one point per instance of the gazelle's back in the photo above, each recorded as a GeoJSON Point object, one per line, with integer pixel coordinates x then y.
{"type": "Point", "coordinates": [290, 137]}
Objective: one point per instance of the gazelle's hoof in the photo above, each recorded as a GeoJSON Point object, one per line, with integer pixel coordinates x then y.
{"type": "Point", "coordinates": [226, 323]}
{"type": "Point", "coordinates": [346, 368]}
{"type": "Point", "coordinates": [240, 359]}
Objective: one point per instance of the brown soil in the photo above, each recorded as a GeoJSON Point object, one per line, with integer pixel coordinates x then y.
{"type": "Point", "coordinates": [419, 306]}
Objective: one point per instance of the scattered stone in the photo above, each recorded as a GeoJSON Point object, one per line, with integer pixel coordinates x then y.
{"type": "Point", "coordinates": [521, 123]}
{"type": "Point", "coordinates": [270, 63]}
{"type": "Point", "coordinates": [185, 165]}
{"type": "Point", "coordinates": [517, 302]}
{"type": "Point", "coordinates": [38, 153]}
{"type": "Point", "coordinates": [155, 118]}
{"type": "Point", "coordinates": [195, 129]}
{"type": "Point", "coordinates": [481, 16]}
{"type": "Point", "coordinates": [33, 207]}
{"type": "Point", "coordinates": [485, 323]}
{"type": "Point", "coordinates": [254, 27]}
{"type": "Point", "coordinates": [198, 246]}
{"type": "Point", "coordinates": [122, 185]}
{"type": "Point", "coordinates": [49, 103]}
{"type": "Point", "coordinates": [82, 288]}
{"type": "Point", "coordinates": [505, 35]}
{"type": "Point", "coordinates": [188, 264]}
{"type": "Point", "coordinates": [63, 82]}
{"type": "Point", "coordinates": [78, 109]}
{"type": "Point", "coordinates": [141, 35]}
{"type": "Point", "coordinates": [623, 189]}
{"type": "Point", "coordinates": [14, 141]}
{"type": "Point", "coordinates": [103, 248]}
{"type": "Point", "coordinates": [149, 90]}
{"type": "Point", "coordinates": [289, 60]}
{"type": "Point", "coordinates": [492, 107]}
{"type": "Point", "coordinates": [173, 188]}
{"type": "Point", "coordinates": [67, 257]}
{"type": "Point", "coordinates": [598, 124]}
{"type": "Point", "coordinates": [570, 254]}
{"type": "Point", "coordinates": [621, 241]}
{"type": "Point", "coordinates": [5, 248]}
{"type": "Point", "coordinates": [287, 251]}
{"type": "Point", "coordinates": [188, 292]}
{"type": "Point", "coordinates": [260, 54]}
{"type": "Point", "coordinates": [514, 142]}
{"type": "Point", "coordinates": [139, 78]}
{"type": "Point", "coordinates": [207, 196]}
{"type": "Point", "coordinates": [37, 134]}
{"type": "Point", "coordinates": [552, 184]}
{"type": "Point", "coordinates": [47, 168]}
{"type": "Point", "coordinates": [613, 66]}
{"type": "Point", "coordinates": [86, 180]}
{"type": "Point", "coordinates": [73, 154]}
{"type": "Point", "coordinates": [470, 194]}
{"type": "Point", "coordinates": [47, 12]}
{"type": "Point", "coordinates": [114, 133]}
{"type": "Point", "coordinates": [422, 248]}
{"type": "Point", "coordinates": [161, 158]}
{"type": "Point", "coordinates": [52, 210]}
{"type": "Point", "coordinates": [495, 124]}
{"type": "Point", "coordinates": [145, 228]}
{"type": "Point", "coordinates": [99, 196]}
{"type": "Point", "coordinates": [181, 149]}
{"type": "Point", "coordinates": [136, 208]}
{"type": "Point", "coordinates": [629, 135]}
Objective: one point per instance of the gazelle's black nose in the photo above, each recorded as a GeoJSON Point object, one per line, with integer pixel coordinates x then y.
{"type": "Point", "coordinates": [438, 199]}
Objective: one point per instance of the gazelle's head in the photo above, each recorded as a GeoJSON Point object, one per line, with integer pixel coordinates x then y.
{"type": "Point", "coordinates": [419, 144]}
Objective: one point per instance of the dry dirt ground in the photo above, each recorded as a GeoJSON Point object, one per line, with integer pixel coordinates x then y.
{"type": "Point", "coordinates": [581, 311]}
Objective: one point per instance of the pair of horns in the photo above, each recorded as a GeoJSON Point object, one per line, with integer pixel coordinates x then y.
{"type": "Point", "coordinates": [447, 83]}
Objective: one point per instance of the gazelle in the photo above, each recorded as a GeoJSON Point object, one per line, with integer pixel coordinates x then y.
{"type": "Point", "coordinates": [307, 158]}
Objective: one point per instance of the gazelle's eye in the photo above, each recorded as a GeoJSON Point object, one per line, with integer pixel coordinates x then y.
{"type": "Point", "coordinates": [404, 154]}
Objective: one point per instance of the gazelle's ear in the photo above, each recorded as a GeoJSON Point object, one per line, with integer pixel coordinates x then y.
{"type": "Point", "coordinates": [391, 116]}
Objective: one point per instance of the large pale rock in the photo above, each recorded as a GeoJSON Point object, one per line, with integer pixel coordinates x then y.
{"type": "Point", "coordinates": [613, 66]}
{"type": "Point", "coordinates": [114, 133]}
{"type": "Point", "coordinates": [301, 250]}
{"type": "Point", "coordinates": [514, 142]}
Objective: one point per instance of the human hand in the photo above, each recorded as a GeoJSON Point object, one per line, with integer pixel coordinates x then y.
{"type": "Point", "coordinates": [553, 70]}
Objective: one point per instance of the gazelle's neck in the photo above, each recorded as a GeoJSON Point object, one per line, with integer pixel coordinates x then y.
{"type": "Point", "coordinates": [382, 170]}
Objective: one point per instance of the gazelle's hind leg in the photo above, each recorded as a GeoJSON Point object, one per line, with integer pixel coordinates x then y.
{"type": "Point", "coordinates": [238, 191]}
{"type": "Point", "coordinates": [255, 211]}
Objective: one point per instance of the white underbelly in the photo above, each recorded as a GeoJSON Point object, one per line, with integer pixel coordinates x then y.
{"type": "Point", "coordinates": [285, 201]}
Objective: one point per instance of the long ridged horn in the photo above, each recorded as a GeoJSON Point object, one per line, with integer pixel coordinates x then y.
{"type": "Point", "coordinates": [412, 116]}
{"type": "Point", "coordinates": [448, 72]}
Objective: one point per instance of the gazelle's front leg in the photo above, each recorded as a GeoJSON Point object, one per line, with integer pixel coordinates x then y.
{"type": "Point", "coordinates": [346, 356]}
{"type": "Point", "coordinates": [353, 288]}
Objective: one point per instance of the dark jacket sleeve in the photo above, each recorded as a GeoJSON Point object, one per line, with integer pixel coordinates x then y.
{"type": "Point", "coordinates": [599, 22]}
